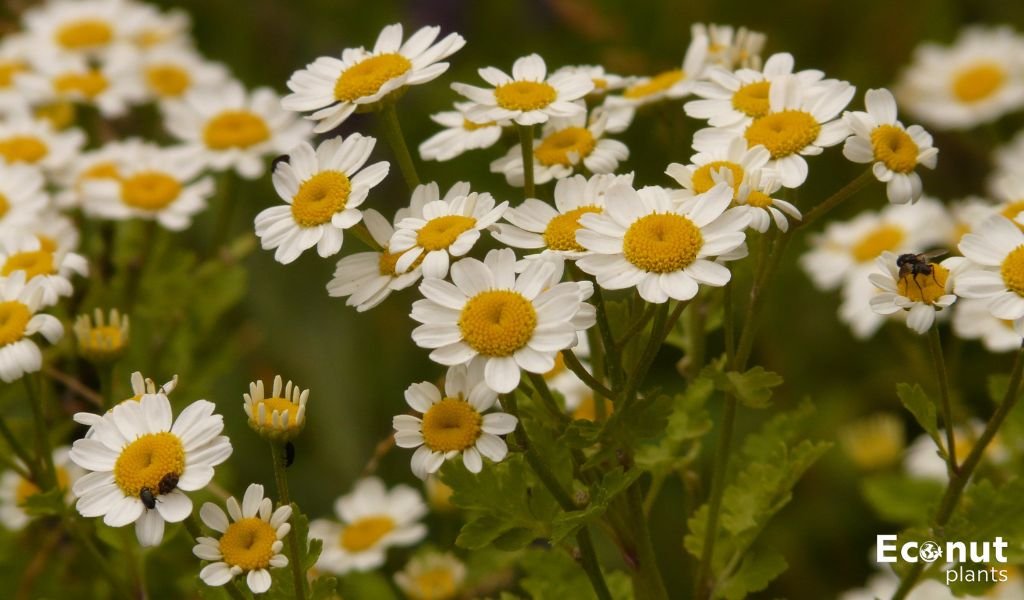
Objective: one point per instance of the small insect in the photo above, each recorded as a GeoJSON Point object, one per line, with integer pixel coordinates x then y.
{"type": "Point", "coordinates": [917, 264]}
{"type": "Point", "coordinates": [168, 483]}
{"type": "Point", "coordinates": [147, 497]}
{"type": "Point", "coordinates": [289, 454]}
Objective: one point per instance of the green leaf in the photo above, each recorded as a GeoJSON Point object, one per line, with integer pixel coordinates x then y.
{"type": "Point", "coordinates": [757, 570]}
{"type": "Point", "coordinates": [44, 504]}
{"type": "Point", "coordinates": [688, 422]}
{"type": "Point", "coordinates": [601, 494]}
{"type": "Point", "coordinates": [553, 574]}
{"type": "Point", "coordinates": [366, 585]}
{"type": "Point", "coordinates": [324, 588]}
{"type": "Point", "coordinates": [919, 405]}
{"type": "Point", "coordinates": [902, 499]}
{"type": "Point", "coordinates": [754, 387]}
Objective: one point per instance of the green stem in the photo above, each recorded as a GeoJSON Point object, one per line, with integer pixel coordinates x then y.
{"type": "Point", "coordinates": [958, 480]}
{"type": "Point", "coordinates": [541, 387]}
{"type": "Point", "coordinates": [647, 580]}
{"type": "Point", "coordinates": [281, 479]}
{"type": "Point", "coordinates": [695, 336]}
{"type": "Point", "coordinates": [588, 557]}
{"type": "Point", "coordinates": [573, 364]}
{"type": "Point", "coordinates": [43, 452]}
{"type": "Point", "coordinates": [722, 447]}
{"type": "Point", "coordinates": [132, 563]}
{"type": "Point", "coordinates": [393, 134]}
{"type": "Point", "coordinates": [137, 268]}
{"type": "Point", "coordinates": [639, 371]}
{"type": "Point", "coordinates": [935, 345]}
{"type": "Point", "coordinates": [225, 209]}
{"type": "Point", "coordinates": [637, 325]}
{"type": "Point", "coordinates": [526, 146]}
{"type": "Point", "coordinates": [728, 321]}
{"type": "Point", "coordinates": [106, 375]}
{"type": "Point", "coordinates": [104, 566]}
{"type": "Point", "coordinates": [835, 199]}
{"type": "Point", "coordinates": [362, 233]}
{"type": "Point", "coordinates": [19, 451]}
{"type": "Point", "coordinates": [612, 365]}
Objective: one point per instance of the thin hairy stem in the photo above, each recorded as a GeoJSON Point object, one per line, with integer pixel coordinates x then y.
{"type": "Point", "coordinates": [526, 146]}
{"type": "Point", "coordinates": [395, 138]}
{"type": "Point", "coordinates": [284, 497]}
{"type": "Point", "coordinates": [945, 406]}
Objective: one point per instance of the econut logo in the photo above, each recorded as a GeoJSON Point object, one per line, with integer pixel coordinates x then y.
{"type": "Point", "coordinates": [959, 555]}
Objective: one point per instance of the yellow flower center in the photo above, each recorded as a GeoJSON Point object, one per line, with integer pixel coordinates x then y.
{"type": "Point", "coordinates": [248, 544]}
{"type": "Point", "coordinates": [976, 83]}
{"type": "Point", "coordinates": [874, 443]}
{"type": "Point", "coordinates": [168, 80]}
{"type": "Point", "coordinates": [497, 322]}
{"type": "Point", "coordinates": [33, 262]}
{"type": "Point", "coordinates": [150, 190]}
{"type": "Point", "coordinates": [922, 287]}
{"type": "Point", "coordinates": [451, 425]}
{"type": "Point", "coordinates": [84, 34]}
{"type": "Point", "coordinates": [282, 406]}
{"type": "Point", "coordinates": [147, 460]}
{"type": "Point", "coordinates": [105, 338]}
{"type": "Point", "coordinates": [783, 133]}
{"type": "Point", "coordinates": [557, 147]}
{"type": "Point", "coordinates": [658, 83]}
{"type": "Point", "coordinates": [5, 205]}
{"type": "Point", "coordinates": [23, 148]}
{"type": "Point", "coordinates": [388, 262]}
{"type": "Point", "coordinates": [587, 410]}
{"type": "Point", "coordinates": [90, 84]}
{"type": "Point", "coordinates": [894, 148]}
{"type": "Point", "coordinates": [320, 197]}
{"type": "Point", "coordinates": [524, 95]}
{"type": "Point", "coordinates": [471, 126]}
{"type": "Point", "coordinates": [366, 77]}
{"type": "Point", "coordinates": [8, 69]}
{"type": "Point", "coordinates": [60, 114]}
{"type": "Point", "coordinates": [662, 243]}
{"type": "Point", "coordinates": [752, 99]}
{"type": "Point", "coordinates": [442, 232]}
{"type": "Point", "coordinates": [434, 584]}
{"type": "Point", "coordinates": [560, 234]}
{"type": "Point", "coordinates": [703, 181]}
{"type": "Point", "coordinates": [26, 489]}
{"type": "Point", "coordinates": [364, 533]}
{"type": "Point", "coordinates": [14, 317]}
{"type": "Point", "coordinates": [759, 199]}
{"type": "Point", "coordinates": [235, 129]}
{"type": "Point", "coordinates": [1013, 270]}
{"type": "Point", "coordinates": [885, 237]}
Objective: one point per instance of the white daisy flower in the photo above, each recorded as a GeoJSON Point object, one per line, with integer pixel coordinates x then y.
{"type": "Point", "coordinates": [140, 387]}
{"type": "Point", "coordinates": [83, 27]}
{"type": "Point", "coordinates": [671, 84]}
{"type": "Point", "coordinates": [453, 423]}
{"type": "Point", "coordinates": [335, 88]}
{"type": "Point", "coordinates": [527, 97]}
{"type": "Point", "coordinates": [368, 278]}
{"type": "Point", "coordinates": [104, 162]}
{"type": "Point", "coordinates": [459, 134]}
{"type": "Point", "coordinates": [755, 195]}
{"type": "Point", "coordinates": [111, 85]}
{"type": "Point", "coordinates": [431, 576]}
{"type": "Point", "coordinates": [439, 229]}
{"type": "Point", "coordinates": [970, 212]}
{"type": "Point", "coordinates": [102, 338]}
{"type": "Point", "coordinates": [16, 66]}
{"type": "Point", "coordinates": [536, 225]}
{"type": "Point", "coordinates": [566, 144]}
{"type": "Point", "coordinates": [895, 150]}
{"type": "Point", "coordinates": [732, 155]}
{"type": "Point", "coordinates": [15, 490]}
{"type": "Point", "coordinates": [19, 306]}
{"type": "Point", "coordinates": [231, 129]}
{"type": "Point", "coordinates": [846, 250]}
{"type": "Point", "coordinates": [855, 306]}
{"type": "Point", "coordinates": [47, 269]}
{"type": "Point", "coordinates": [976, 80]}
{"type": "Point", "coordinates": [24, 139]}
{"type": "Point", "coordinates": [801, 121]}
{"type": "Point", "coordinates": [491, 315]}
{"type": "Point", "coordinates": [973, 321]}
{"type": "Point", "coordinates": [733, 99]}
{"type": "Point", "coordinates": [150, 29]}
{"type": "Point", "coordinates": [996, 272]}
{"type": "Point", "coordinates": [1007, 158]}
{"type": "Point", "coordinates": [280, 416]}
{"type": "Point", "coordinates": [23, 197]}
{"type": "Point", "coordinates": [604, 82]}
{"type": "Point", "coordinates": [250, 543]}
{"type": "Point", "coordinates": [155, 183]}
{"type": "Point", "coordinates": [142, 461]}
{"type": "Point", "coordinates": [920, 294]}
{"type": "Point", "coordinates": [645, 240]}
{"type": "Point", "coordinates": [323, 190]}
{"type": "Point", "coordinates": [373, 519]}
{"type": "Point", "coordinates": [1008, 190]}
{"type": "Point", "coordinates": [170, 72]}
{"type": "Point", "coordinates": [731, 48]}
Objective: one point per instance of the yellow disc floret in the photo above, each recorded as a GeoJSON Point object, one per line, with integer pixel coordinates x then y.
{"type": "Point", "coordinates": [451, 425]}
{"type": "Point", "coordinates": [23, 148]}
{"type": "Point", "coordinates": [752, 99]}
{"type": "Point", "coordinates": [150, 190]}
{"type": "Point", "coordinates": [885, 237]}
{"type": "Point", "coordinates": [283, 406]}
{"type": "Point", "coordinates": [366, 77]}
{"type": "Point", "coordinates": [441, 232]}
{"type": "Point", "coordinates": [662, 243]}
{"type": "Point", "coordinates": [14, 317]}
{"type": "Point", "coordinates": [497, 322]}
{"type": "Point", "coordinates": [560, 234]}
{"type": "Point", "coordinates": [894, 148]}
{"type": "Point", "coordinates": [978, 82]}
{"type": "Point", "coordinates": [33, 262]}
{"type": "Point", "coordinates": [565, 147]}
{"type": "Point", "coordinates": [364, 533]}
{"type": "Point", "coordinates": [759, 199]}
{"type": "Point", "coordinates": [433, 584]}
{"type": "Point", "coordinates": [1012, 270]}
{"type": "Point", "coordinates": [89, 84]}
{"type": "Point", "coordinates": [703, 181]}
{"type": "Point", "coordinates": [658, 83]}
{"type": "Point", "coordinates": [167, 80]}
{"type": "Point", "coordinates": [524, 95]}
{"type": "Point", "coordinates": [235, 129]}
{"type": "Point", "coordinates": [84, 34]}
{"type": "Point", "coordinates": [147, 460]}
{"type": "Point", "coordinates": [320, 197]}
{"type": "Point", "coordinates": [248, 544]}
{"type": "Point", "coordinates": [8, 69]}
{"type": "Point", "coordinates": [783, 133]}
{"type": "Point", "coordinates": [924, 287]}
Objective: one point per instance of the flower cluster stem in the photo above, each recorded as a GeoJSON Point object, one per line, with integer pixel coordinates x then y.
{"type": "Point", "coordinates": [395, 138]}
{"type": "Point", "coordinates": [526, 145]}
{"type": "Point", "coordinates": [48, 474]}
{"type": "Point", "coordinates": [935, 345]}
{"type": "Point", "coordinates": [281, 479]}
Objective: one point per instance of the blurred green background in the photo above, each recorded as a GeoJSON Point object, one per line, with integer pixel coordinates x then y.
{"type": "Point", "coordinates": [358, 365]}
